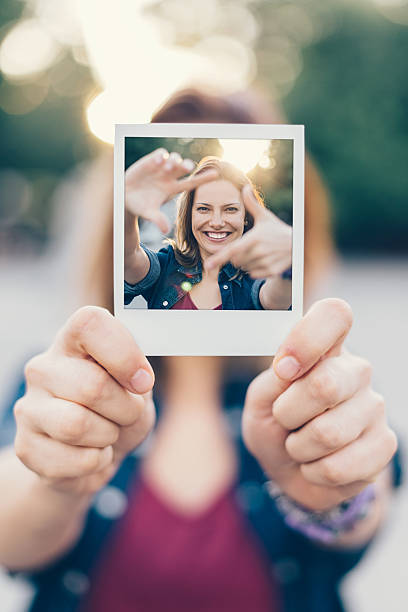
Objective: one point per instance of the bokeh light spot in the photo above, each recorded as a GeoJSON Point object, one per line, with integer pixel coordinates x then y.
{"type": "Point", "coordinates": [186, 286]}
{"type": "Point", "coordinates": [24, 98]}
{"type": "Point", "coordinates": [27, 50]}
{"type": "Point", "coordinates": [245, 154]}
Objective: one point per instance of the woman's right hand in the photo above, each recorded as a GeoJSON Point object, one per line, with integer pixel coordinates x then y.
{"type": "Point", "coordinates": [88, 403]}
{"type": "Point", "coordinates": [153, 179]}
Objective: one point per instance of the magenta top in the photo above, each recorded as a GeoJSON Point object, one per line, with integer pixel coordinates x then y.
{"type": "Point", "coordinates": [160, 559]}
{"type": "Point", "coordinates": [186, 303]}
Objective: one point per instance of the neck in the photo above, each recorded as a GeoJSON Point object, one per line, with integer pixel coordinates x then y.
{"type": "Point", "coordinates": [193, 384]}
{"type": "Point", "coordinates": [210, 274]}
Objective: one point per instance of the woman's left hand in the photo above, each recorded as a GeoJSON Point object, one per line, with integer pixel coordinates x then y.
{"type": "Point", "coordinates": [312, 420]}
{"type": "Point", "coordinates": [263, 251]}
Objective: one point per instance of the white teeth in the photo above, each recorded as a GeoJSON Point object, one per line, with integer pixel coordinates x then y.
{"type": "Point", "coordinates": [213, 235]}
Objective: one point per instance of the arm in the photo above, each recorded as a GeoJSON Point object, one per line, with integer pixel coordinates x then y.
{"type": "Point", "coordinates": [42, 523]}
{"type": "Point", "coordinates": [150, 182]}
{"type": "Point", "coordinates": [276, 293]}
{"type": "Point", "coordinates": [136, 262]}
{"type": "Point", "coordinates": [68, 449]}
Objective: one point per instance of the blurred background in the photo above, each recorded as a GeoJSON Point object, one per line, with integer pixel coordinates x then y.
{"type": "Point", "coordinates": [70, 70]}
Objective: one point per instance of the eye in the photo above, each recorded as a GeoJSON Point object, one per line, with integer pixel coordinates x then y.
{"type": "Point", "coordinates": [202, 208]}
{"type": "Point", "coordinates": [232, 208]}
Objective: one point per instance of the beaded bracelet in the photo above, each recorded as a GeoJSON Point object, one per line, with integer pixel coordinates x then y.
{"type": "Point", "coordinates": [327, 526]}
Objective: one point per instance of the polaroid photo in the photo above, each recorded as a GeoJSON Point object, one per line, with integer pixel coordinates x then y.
{"type": "Point", "coordinates": [208, 236]}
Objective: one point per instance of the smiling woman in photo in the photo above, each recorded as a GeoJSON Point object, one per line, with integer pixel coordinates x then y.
{"type": "Point", "coordinates": [230, 252]}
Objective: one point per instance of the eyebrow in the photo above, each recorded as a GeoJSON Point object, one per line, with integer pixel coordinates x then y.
{"type": "Point", "coordinates": [211, 206]}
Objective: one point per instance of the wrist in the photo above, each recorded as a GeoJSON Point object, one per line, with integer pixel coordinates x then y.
{"type": "Point", "coordinates": [72, 500]}
{"type": "Point", "coordinates": [328, 526]}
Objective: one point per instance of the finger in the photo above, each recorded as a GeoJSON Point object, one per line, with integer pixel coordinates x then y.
{"type": "Point", "coordinates": [85, 382]}
{"type": "Point", "coordinates": [132, 435]}
{"type": "Point", "coordinates": [361, 460]}
{"type": "Point", "coordinates": [259, 274]}
{"type": "Point", "coordinates": [321, 330]}
{"type": "Point", "coordinates": [320, 333]}
{"type": "Point", "coordinates": [192, 182]}
{"type": "Point", "coordinates": [158, 218]}
{"type": "Point", "coordinates": [150, 162]}
{"type": "Point", "coordinates": [173, 163]}
{"type": "Point", "coordinates": [234, 252]}
{"type": "Point", "coordinates": [327, 384]}
{"type": "Point", "coordinates": [94, 332]}
{"type": "Point", "coordinates": [255, 255]}
{"type": "Point", "coordinates": [188, 165]}
{"type": "Point", "coordinates": [69, 422]}
{"type": "Point", "coordinates": [54, 460]}
{"type": "Point", "coordinates": [221, 258]}
{"type": "Point", "coordinates": [150, 214]}
{"type": "Point", "coordinates": [262, 392]}
{"type": "Point", "coordinates": [252, 204]}
{"type": "Point", "coordinates": [336, 428]}
{"type": "Point", "coordinates": [177, 167]}
{"type": "Point", "coordinates": [264, 267]}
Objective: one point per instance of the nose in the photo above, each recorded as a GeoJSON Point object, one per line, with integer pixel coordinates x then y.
{"type": "Point", "coordinates": [217, 219]}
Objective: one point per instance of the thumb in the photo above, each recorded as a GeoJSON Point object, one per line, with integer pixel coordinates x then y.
{"type": "Point", "coordinates": [319, 334]}
{"type": "Point", "coordinates": [159, 219]}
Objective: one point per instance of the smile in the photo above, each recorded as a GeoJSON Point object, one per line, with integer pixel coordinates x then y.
{"type": "Point", "coordinates": [217, 235]}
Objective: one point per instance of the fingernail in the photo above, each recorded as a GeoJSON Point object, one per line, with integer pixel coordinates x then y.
{"type": "Point", "coordinates": [159, 157]}
{"type": "Point", "coordinates": [286, 367]}
{"type": "Point", "coordinates": [106, 456]}
{"type": "Point", "coordinates": [188, 165]}
{"type": "Point", "coordinates": [142, 381]}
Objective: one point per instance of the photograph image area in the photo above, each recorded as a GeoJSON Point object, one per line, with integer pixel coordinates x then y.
{"type": "Point", "coordinates": [208, 223]}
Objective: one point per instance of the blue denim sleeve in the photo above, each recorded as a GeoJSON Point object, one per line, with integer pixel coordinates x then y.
{"type": "Point", "coordinates": [7, 422]}
{"type": "Point", "coordinates": [143, 287]}
{"type": "Point", "coordinates": [255, 289]}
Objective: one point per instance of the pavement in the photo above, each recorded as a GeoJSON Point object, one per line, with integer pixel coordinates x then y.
{"type": "Point", "coordinates": [35, 301]}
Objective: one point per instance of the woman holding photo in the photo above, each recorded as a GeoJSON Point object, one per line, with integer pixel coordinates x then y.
{"type": "Point", "coordinates": [187, 522]}
{"type": "Point", "coordinates": [229, 251]}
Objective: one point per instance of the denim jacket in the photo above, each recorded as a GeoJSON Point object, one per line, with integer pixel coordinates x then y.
{"type": "Point", "coordinates": [168, 281]}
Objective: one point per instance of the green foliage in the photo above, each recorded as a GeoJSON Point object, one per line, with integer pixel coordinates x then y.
{"type": "Point", "coordinates": [338, 66]}
{"type": "Point", "coordinates": [352, 96]}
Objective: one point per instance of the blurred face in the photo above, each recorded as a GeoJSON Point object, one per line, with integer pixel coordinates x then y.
{"type": "Point", "coordinates": [217, 216]}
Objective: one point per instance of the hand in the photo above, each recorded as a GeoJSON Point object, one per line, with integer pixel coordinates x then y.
{"type": "Point", "coordinates": [88, 403]}
{"type": "Point", "coordinates": [312, 420]}
{"type": "Point", "coordinates": [154, 179]}
{"type": "Point", "coordinates": [263, 251]}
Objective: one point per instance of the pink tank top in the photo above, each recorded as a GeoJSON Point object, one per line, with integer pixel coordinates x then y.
{"type": "Point", "coordinates": [186, 303]}
{"type": "Point", "coordinates": [159, 559]}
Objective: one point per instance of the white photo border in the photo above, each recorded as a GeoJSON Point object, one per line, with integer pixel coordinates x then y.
{"type": "Point", "coordinates": [210, 332]}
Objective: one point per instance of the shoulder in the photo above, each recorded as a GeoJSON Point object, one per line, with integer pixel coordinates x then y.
{"type": "Point", "coordinates": [161, 258]}
{"type": "Point", "coordinates": [166, 253]}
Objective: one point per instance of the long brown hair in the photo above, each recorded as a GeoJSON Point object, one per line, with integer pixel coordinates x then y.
{"type": "Point", "coordinates": [185, 246]}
